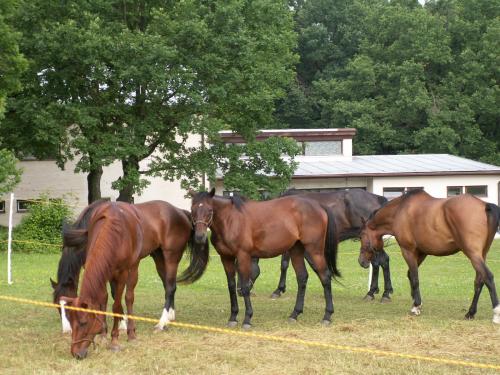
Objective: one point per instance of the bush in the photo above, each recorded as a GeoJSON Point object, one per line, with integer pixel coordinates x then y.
{"type": "Point", "coordinates": [40, 230]}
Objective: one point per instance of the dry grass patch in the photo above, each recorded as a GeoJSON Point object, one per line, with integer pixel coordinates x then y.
{"type": "Point", "coordinates": [31, 342]}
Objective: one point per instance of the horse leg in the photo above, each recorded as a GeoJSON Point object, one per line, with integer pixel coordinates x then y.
{"type": "Point", "coordinates": [373, 283]}
{"type": "Point", "coordinates": [159, 260]}
{"type": "Point", "coordinates": [171, 262]}
{"type": "Point", "coordinates": [414, 259]}
{"type": "Point", "coordinates": [297, 256]}
{"type": "Point", "coordinates": [483, 276]}
{"type": "Point", "coordinates": [229, 268]}
{"type": "Point", "coordinates": [118, 309]}
{"type": "Point", "coordinates": [318, 259]}
{"type": "Point", "coordinates": [285, 262]}
{"type": "Point", "coordinates": [384, 263]}
{"type": "Point", "coordinates": [245, 269]}
{"type": "Point", "coordinates": [133, 276]}
{"type": "Point", "coordinates": [478, 286]}
{"type": "Point", "coordinates": [253, 277]}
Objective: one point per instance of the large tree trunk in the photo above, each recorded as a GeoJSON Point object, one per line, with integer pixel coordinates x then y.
{"type": "Point", "coordinates": [94, 184]}
{"type": "Point", "coordinates": [127, 192]}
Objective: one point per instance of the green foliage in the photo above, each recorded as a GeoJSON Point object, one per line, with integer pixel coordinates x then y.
{"type": "Point", "coordinates": [12, 63]}
{"type": "Point", "coordinates": [128, 79]}
{"type": "Point", "coordinates": [410, 78]}
{"type": "Point", "coordinates": [10, 175]}
{"type": "Point", "coordinates": [42, 226]}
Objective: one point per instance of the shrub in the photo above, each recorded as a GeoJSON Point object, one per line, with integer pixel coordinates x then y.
{"type": "Point", "coordinates": [41, 228]}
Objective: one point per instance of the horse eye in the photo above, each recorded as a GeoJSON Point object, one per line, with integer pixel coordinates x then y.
{"type": "Point", "coordinates": [82, 324]}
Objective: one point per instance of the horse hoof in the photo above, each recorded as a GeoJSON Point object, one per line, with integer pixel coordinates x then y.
{"type": "Point", "coordinates": [416, 310]}
{"type": "Point", "coordinates": [292, 320]}
{"type": "Point", "coordinates": [496, 315]}
{"type": "Point", "coordinates": [246, 326]}
{"type": "Point", "coordinates": [160, 328]}
{"type": "Point", "coordinates": [368, 298]}
{"type": "Point", "coordinates": [469, 317]}
{"type": "Point", "coordinates": [275, 296]}
{"type": "Point", "coordinates": [386, 299]}
{"type": "Point", "coordinates": [232, 323]}
{"type": "Point", "coordinates": [325, 323]}
{"type": "Point", "coordinates": [132, 337]}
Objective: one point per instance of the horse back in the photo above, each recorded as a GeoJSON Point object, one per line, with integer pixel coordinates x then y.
{"type": "Point", "coordinates": [164, 225]}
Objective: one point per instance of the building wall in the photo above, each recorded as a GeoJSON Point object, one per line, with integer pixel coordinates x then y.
{"type": "Point", "coordinates": [45, 177]}
{"type": "Point", "coordinates": [436, 185]}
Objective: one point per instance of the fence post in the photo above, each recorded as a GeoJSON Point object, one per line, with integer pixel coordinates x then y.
{"type": "Point", "coordinates": [9, 241]}
{"type": "Point", "coordinates": [370, 275]}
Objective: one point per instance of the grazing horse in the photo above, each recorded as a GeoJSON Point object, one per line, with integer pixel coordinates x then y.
{"type": "Point", "coordinates": [164, 232]}
{"type": "Point", "coordinates": [348, 207]}
{"type": "Point", "coordinates": [424, 225]}
{"type": "Point", "coordinates": [242, 229]}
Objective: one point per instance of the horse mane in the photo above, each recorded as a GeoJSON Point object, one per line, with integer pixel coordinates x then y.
{"type": "Point", "coordinates": [106, 232]}
{"type": "Point", "coordinates": [238, 201]}
{"type": "Point", "coordinates": [411, 193]}
{"type": "Point", "coordinates": [72, 257]}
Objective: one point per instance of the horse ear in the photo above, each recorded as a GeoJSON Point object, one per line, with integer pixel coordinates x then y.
{"type": "Point", "coordinates": [53, 283]}
{"type": "Point", "coordinates": [191, 193]}
{"type": "Point", "coordinates": [212, 192]}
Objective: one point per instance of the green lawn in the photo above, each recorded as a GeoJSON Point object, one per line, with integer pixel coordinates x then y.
{"type": "Point", "coordinates": [31, 342]}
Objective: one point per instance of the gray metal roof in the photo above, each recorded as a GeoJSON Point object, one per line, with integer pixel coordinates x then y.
{"type": "Point", "coordinates": [391, 165]}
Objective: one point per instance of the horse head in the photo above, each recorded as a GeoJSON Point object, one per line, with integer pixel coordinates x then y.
{"type": "Point", "coordinates": [85, 326]}
{"type": "Point", "coordinates": [202, 213]}
{"type": "Point", "coordinates": [371, 242]}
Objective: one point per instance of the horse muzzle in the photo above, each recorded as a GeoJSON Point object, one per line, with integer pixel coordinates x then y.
{"type": "Point", "coordinates": [82, 354]}
{"type": "Point", "coordinates": [363, 262]}
{"type": "Point", "coordinates": [200, 237]}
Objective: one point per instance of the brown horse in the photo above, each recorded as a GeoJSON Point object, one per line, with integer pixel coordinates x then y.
{"type": "Point", "coordinates": [117, 236]}
{"type": "Point", "coordinates": [423, 225]}
{"type": "Point", "coordinates": [349, 207]}
{"type": "Point", "coordinates": [242, 229]}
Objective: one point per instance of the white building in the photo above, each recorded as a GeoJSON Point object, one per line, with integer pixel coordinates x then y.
{"type": "Point", "coordinates": [327, 164]}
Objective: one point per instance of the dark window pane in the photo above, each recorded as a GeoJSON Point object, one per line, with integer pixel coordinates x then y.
{"type": "Point", "coordinates": [479, 191]}
{"type": "Point", "coordinates": [393, 192]}
{"type": "Point", "coordinates": [453, 190]}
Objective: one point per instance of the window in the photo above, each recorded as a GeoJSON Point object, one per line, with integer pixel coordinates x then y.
{"type": "Point", "coordinates": [322, 148]}
{"type": "Point", "coordinates": [2, 207]}
{"type": "Point", "coordinates": [410, 188]}
{"type": "Point", "coordinates": [393, 192]}
{"type": "Point", "coordinates": [453, 190]}
{"type": "Point", "coordinates": [477, 190]}
{"type": "Point", "coordinates": [22, 205]}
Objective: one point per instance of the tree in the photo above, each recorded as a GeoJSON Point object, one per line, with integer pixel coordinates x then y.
{"type": "Point", "coordinates": [12, 63]}
{"type": "Point", "coordinates": [130, 80]}
{"type": "Point", "coordinates": [410, 78]}
{"type": "Point", "coordinates": [10, 175]}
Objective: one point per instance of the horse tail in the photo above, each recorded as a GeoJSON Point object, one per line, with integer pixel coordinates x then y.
{"type": "Point", "coordinates": [73, 237]}
{"type": "Point", "coordinates": [198, 257]}
{"type": "Point", "coordinates": [331, 243]}
{"type": "Point", "coordinates": [493, 214]}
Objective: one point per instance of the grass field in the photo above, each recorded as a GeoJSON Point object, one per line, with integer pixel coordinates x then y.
{"type": "Point", "coordinates": [31, 342]}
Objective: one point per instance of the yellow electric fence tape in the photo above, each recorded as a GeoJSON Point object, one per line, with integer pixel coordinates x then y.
{"type": "Point", "coordinates": [271, 337]}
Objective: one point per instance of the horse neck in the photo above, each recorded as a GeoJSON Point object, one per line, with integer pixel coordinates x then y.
{"type": "Point", "coordinates": [384, 219]}
{"type": "Point", "coordinates": [98, 270]}
{"type": "Point", "coordinates": [224, 214]}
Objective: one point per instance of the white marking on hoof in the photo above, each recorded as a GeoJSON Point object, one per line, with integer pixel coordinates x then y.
{"type": "Point", "coordinates": [166, 317]}
{"type": "Point", "coordinates": [416, 310]}
{"type": "Point", "coordinates": [66, 326]}
{"type": "Point", "coordinates": [496, 315]}
{"type": "Point", "coordinates": [123, 324]}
